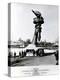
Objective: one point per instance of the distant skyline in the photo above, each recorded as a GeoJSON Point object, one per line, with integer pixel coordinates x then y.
{"type": "Point", "coordinates": [22, 21]}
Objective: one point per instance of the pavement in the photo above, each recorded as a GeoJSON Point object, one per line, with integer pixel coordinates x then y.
{"type": "Point", "coordinates": [34, 60]}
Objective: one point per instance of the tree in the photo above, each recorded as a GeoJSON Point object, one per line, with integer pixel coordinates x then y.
{"type": "Point", "coordinates": [28, 41]}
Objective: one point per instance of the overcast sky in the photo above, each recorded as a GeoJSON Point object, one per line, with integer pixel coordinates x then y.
{"type": "Point", "coordinates": [22, 21]}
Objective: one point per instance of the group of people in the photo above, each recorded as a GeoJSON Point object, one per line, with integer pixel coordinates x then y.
{"type": "Point", "coordinates": [21, 54]}
{"type": "Point", "coordinates": [37, 53]}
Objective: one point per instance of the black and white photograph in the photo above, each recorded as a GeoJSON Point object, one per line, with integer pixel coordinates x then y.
{"type": "Point", "coordinates": [33, 38]}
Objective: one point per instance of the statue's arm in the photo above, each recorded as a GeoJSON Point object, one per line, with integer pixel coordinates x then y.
{"type": "Point", "coordinates": [34, 12]}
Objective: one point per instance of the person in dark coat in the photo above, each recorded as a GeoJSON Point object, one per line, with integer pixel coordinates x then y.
{"type": "Point", "coordinates": [19, 54]}
{"type": "Point", "coordinates": [14, 54]}
{"type": "Point", "coordinates": [33, 52]}
{"type": "Point", "coordinates": [57, 57]}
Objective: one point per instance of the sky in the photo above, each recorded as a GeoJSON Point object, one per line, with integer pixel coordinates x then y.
{"type": "Point", "coordinates": [22, 21]}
